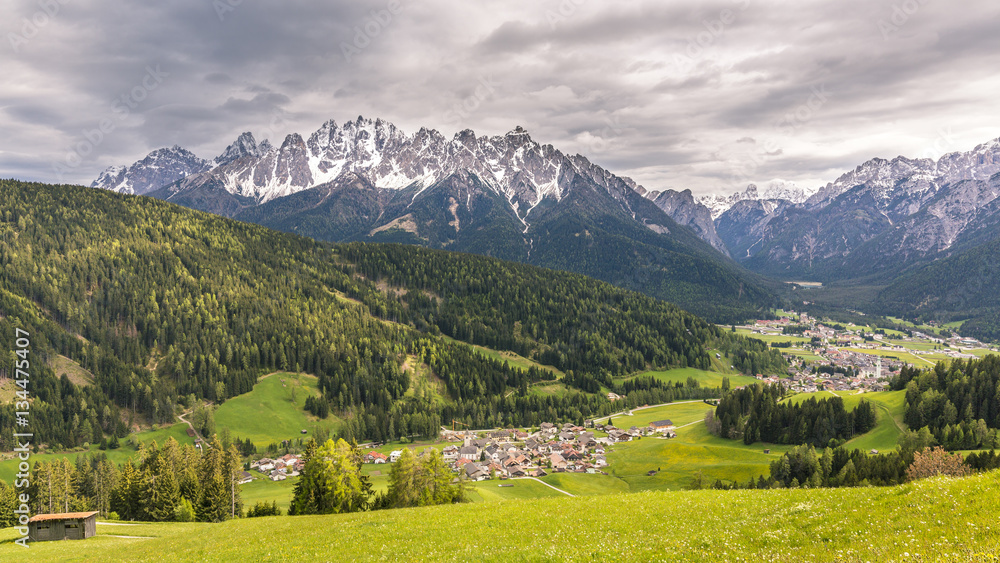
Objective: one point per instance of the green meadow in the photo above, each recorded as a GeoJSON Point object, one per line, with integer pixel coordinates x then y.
{"type": "Point", "coordinates": [889, 408]}
{"type": "Point", "coordinates": [939, 519]}
{"type": "Point", "coordinates": [273, 411]}
{"type": "Point", "coordinates": [704, 378]}
{"type": "Point", "coordinates": [680, 413]}
{"type": "Point", "coordinates": [675, 461]}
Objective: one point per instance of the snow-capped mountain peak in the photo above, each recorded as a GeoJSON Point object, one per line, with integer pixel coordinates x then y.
{"type": "Point", "coordinates": [773, 190]}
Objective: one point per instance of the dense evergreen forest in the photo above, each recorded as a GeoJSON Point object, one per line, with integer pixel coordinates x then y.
{"type": "Point", "coordinates": [159, 302]}
{"type": "Point", "coordinates": [755, 414]}
{"type": "Point", "coordinates": [959, 287]}
{"type": "Point", "coordinates": [958, 404]}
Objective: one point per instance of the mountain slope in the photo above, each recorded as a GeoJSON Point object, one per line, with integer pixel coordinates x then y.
{"type": "Point", "coordinates": [684, 209]}
{"type": "Point", "coordinates": [964, 286]}
{"type": "Point", "coordinates": [876, 221]}
{"type": "Point", "coordinates": [159, 302]}
{"type": "Point", "coordinates": [503, 196]}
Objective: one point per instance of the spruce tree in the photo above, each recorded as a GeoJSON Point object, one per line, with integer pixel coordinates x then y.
{"type": "Point", "coordinates": [304, 491]}
{"type": "Point", "coordinates": [213, 504]}
{"type": "Point", "coordinates": [160, 491]}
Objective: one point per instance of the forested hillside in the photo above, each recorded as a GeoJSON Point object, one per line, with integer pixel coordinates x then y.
{"type": "Point", "coordinates": [160, 302]}
{"type": "Point", "coordinates": [958, 404]}
{"type": "Point", "coordinates": [965, 286]}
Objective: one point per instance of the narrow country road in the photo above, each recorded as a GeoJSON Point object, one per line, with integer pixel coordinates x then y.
{"type": "Point", "coordinates": [546, 484]}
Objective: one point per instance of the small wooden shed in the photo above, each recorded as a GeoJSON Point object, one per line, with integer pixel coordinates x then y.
{"type": "Point", "coordinates": [65, 526]}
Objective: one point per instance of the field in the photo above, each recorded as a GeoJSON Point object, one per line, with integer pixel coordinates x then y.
{"type": "Point", "coordinates": [423, 382]}
{"type": "Point", "coordinates": [769, 338]}
{"type": "Point", "coordinates": [704, 378]}
{"type": "Point", "coordinates": [509, 357]}
{"type": "Point", "coordinates": [62, 365]}
{"type": "Point", "coordinates": [582, 484]}
{"type": "Point", "coordinates": [491, 491]}
{"type": "Point", "coordinates": [680, 413]}
{"type": "Point", "coordinates": [273, 411]}
{"type": "Point", "coordinates": [938, 519]}
{"type": "Point", "coordinates": [677, 460]}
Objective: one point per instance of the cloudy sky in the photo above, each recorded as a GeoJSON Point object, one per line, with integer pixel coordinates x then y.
{"type": "Point", "coordinates": [701, 95]}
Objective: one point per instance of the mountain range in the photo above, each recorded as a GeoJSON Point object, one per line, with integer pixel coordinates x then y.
{"type": "Point", "coordinates": [511, 197]}
{"type": "Point", "coordinates": [505, 196]}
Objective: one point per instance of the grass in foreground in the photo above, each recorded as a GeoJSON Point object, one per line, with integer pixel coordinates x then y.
{"type": "Point", "coordinates": [938, 519]}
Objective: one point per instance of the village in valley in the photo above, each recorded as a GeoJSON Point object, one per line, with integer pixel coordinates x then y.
{"type": "Point", "coordinates": [507, 453]}
{"type": "Point", "coordinates": [824, 356]}
{"type": "Point", "coordinates": [827, 355]}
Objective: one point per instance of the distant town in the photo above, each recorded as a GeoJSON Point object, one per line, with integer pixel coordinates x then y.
{"type": "Point", "coordinates": [842, 358]}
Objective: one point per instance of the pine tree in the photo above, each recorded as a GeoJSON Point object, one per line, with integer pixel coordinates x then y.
{"type": "Point", "coordinates": [213, 504]}
{"type": "Point", "coordinates": [160, 491]}
{"type": "Point", "coordinates": [8, 503]}
{"type": "Point", "coordinates": [125, 497]}
{"type": "Point", "coordinates": [233, 470]}
{"type": "Point", "coordinates": [184, 512]}
{"type": "Point", "coordinates": [304, 491]}
{"type": "Point", "coordinates": [404, 487]}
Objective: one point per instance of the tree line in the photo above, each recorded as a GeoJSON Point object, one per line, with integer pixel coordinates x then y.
{"type": "Point", "coordinates": [959, 404]}
{"type": "Point", "coordinates": [755, 413]}
{"type": "Point", "coordinates": [162, 484]}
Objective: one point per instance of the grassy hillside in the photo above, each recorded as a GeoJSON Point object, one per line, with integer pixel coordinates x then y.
{"type": "Point", "coordinates": [955, 288]}
{"type": "Point", "coordinates": [273, 411]}
{"type": "Point", "coordinates": [938, 519]}
{"type": "Point", "coordinates": [704, 378]}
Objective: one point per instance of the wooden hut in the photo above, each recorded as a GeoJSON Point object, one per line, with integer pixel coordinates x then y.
{"type": "Point", "coordinates": [65, 526]}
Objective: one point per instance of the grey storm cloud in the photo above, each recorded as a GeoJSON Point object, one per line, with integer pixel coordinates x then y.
{"type": "Point", "coordinates": [698, 95]}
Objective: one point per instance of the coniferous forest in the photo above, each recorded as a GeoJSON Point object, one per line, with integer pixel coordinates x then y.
{"type": "Point", "coordinates": [161, 302]}
{"type": "Point", "coordinates": [958, 404]}
{"type": "Point", "coordinates": [756, 414]}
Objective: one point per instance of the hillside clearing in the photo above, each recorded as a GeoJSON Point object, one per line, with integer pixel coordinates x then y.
{"type": "Point", "coordinates": [273, 411]}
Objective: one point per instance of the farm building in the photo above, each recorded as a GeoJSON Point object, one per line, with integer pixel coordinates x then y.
{"type": "Point", "coordinates": [661, 425]}
{"type": "Point", "coordinates": [65, 526]}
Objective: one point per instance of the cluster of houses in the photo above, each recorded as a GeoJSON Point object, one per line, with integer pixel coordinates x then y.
{"type": "Point", "coordinates": [507, 453]}
{"type": "Point", "coordinates": [288, 465]}
{"type": "Point", "coordinates": [511, 453]}
{"type": "Point", "coordinates": [845, 348]}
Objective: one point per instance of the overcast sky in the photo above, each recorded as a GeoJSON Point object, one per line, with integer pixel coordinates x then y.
{"type": "Point", "coordinates": [701, 95]}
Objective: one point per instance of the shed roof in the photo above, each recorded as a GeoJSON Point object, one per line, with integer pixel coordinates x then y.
{"type": "Point", "coordinates": [62, 516]}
